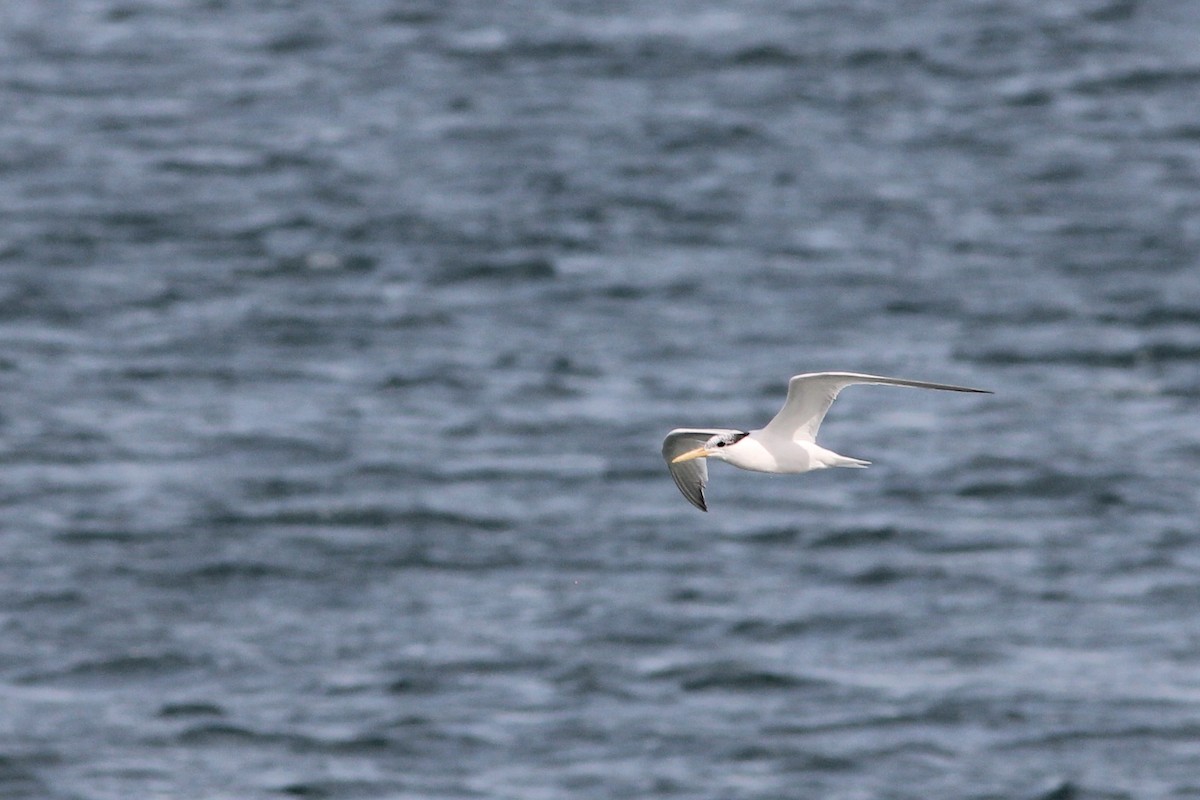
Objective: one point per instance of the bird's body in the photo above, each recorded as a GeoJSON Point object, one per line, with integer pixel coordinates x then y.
{"type": "Point", "coordinates": [759, 453]}
{"type": "Point", "coordinates": [787, 444]}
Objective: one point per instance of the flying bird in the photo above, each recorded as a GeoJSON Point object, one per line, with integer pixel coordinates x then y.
{"type": "Point", "coordinates": [786, 444]}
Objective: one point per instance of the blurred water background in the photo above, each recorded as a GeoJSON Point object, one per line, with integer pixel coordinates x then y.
{"type": "Point", "coordinates": [337, 342]}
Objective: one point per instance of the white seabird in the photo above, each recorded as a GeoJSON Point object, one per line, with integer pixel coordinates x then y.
{"type": "Point", "coordinates": [786, 444]}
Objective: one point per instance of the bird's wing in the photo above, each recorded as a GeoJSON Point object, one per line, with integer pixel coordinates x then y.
{"type": "Point", "coordinates": [810, 396]}
{"type": "Point", "coordinates": [690, 476]}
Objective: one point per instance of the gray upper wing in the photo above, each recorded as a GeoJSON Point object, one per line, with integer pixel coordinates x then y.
{"type": "Point", "coordinates": [690, 476]}
{"type": "Point", "coordinates": [810, 396]}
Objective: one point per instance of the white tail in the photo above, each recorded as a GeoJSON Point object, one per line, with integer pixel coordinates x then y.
{"type": "Point", "coordinates": [847, 461]}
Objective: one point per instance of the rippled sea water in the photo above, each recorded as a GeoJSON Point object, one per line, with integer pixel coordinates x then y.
{"type": "Point", "coordinates": [337, 342]}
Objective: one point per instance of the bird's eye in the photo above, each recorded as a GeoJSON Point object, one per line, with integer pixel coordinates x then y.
{"type": "Point", "coordinates": [720, 444]}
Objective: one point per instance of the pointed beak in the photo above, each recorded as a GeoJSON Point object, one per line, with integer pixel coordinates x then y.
{"type": "Point", "coordinates": [699, 452]}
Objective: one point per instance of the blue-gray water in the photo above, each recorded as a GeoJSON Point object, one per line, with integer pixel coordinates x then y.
{"type": "Point", "coordinates": [337, 341]}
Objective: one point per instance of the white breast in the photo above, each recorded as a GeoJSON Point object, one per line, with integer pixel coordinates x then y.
{"type": "Point", "coordinates": [773, 455]}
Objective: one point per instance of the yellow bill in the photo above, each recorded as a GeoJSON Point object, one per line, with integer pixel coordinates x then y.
{"type": "Point", "coordinates": [699, 452]}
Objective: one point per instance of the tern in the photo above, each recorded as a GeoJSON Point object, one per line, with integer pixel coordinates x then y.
{"type": "Point", "coordinates": [786, 444]}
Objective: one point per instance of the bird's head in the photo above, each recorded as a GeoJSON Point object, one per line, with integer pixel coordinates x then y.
{"type": "Point", "coordinates": [713, 448]}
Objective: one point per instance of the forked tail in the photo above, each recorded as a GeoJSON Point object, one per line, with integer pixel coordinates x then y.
{"type": "Point", "coordinates": [847, 461]}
